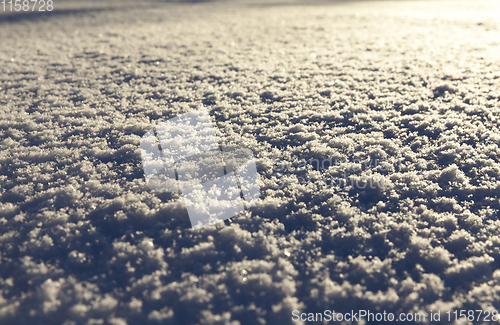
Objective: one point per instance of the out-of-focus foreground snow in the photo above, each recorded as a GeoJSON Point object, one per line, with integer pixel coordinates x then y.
{"type": "Point", "coordinates": [412, 84]}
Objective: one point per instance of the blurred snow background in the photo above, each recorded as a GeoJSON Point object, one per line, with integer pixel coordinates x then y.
{"type": "Point", "coordinates": [415, 84]}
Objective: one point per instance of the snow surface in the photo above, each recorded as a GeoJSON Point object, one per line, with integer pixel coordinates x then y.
{"type": "Point", "coordinates": [411, 85]}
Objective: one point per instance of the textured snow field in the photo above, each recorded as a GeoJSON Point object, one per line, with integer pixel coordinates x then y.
{"type": "Point", "coordinates": [412, 86]}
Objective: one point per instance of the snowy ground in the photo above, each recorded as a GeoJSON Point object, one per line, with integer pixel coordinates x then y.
{"type": "Point", "coordinates": [406, 93]}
